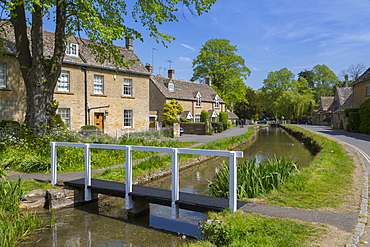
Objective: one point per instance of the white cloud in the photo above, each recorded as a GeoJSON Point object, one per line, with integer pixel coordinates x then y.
{"type": "Point", "coordinates": [188, 46]}
{"type": "Point", "coordinates": [185, 59]}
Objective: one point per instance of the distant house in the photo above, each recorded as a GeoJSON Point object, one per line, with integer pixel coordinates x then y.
{"type": "Point", "coordinates": [331, 110]}
{"type": "Point", "coordinates": [361, 89]}
{"type": "Point", "coordinates": [323, 116]}
{"type": "Point", "coordinates": [115, 99]}
{"type": "Point", "coordinates": [193, 96]}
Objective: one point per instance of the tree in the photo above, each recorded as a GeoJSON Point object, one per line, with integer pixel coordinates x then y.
{"type": "Point", "coordinates": [354, 71]}
{"type": "Point", "coordinates": [102, 22]}
{"type": "Point", "coordinates": [252, 109]}
{"type": "Point", "coordinates": [228, 71]}
{"type": "Point", "coordinates": [324, 81]}
{"type": "Point", "coordinates": [286, 96]}
{"type": "Point", "coordinates": [171, 111]}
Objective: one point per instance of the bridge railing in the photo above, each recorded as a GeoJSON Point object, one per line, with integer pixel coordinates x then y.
{"type": "Point", "coordinates": [175, 191]}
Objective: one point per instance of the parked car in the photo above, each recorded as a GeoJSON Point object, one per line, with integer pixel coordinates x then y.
{"type": "Point", "coordinates": [304, 121]}
{"type": "Point", "coordinates": [181, 131]}
{"type": "Point", "coordinates": [262, 122]}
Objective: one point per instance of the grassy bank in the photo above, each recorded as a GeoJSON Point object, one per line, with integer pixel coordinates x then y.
{"type": "Point", "coordinates": [242, 229]}
{"type": "Point", "coordinates": [324, 184]}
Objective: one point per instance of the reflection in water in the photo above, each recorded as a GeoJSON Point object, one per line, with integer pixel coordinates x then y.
{"type": "Point", "coordinates": [104, 223]}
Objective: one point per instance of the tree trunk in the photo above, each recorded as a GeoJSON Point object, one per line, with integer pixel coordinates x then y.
{"type": "Point", "coordinates": [40, 74]}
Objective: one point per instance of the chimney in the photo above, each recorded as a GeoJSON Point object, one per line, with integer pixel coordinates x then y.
{"type": "Point", "coordinates": [346, 80]}
{"type": "Point", "coordinates": [149, 68]}
{"type": "Point", "coordinates": [208, 80]}
{"type": "Point", "coordinates": [171, 73]}
{"type": "Point", "coordinates": [129, 44]}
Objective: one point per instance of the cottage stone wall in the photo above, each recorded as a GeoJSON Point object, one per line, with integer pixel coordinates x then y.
{"type": "Point", "coordinates": [359, 93]}
{"type": "Point", "coordinates": [12, 97]}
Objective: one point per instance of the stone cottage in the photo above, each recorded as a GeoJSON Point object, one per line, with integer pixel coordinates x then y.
{"type": "Point", "coordinates": [88, 92]}
{"type": "Point", "coordinates": [193, 96]}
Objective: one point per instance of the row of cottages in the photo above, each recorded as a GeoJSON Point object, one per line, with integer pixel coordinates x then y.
{"type": "Point", "coordinates": [98, 94]}
{"type": "Point", "coordinates": [332, 109]}
{"type": "Point", "coordinates": [194, 97]}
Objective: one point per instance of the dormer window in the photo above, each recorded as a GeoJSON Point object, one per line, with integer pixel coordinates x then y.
{"type": "Point", "coordinates": [171, 87]}
{"type": "Point", "coordinates": [217, 102]}
{"type": "Point", "coordinates": [199, 100]}
{"type": "Point", "coordinates": [72, 49]}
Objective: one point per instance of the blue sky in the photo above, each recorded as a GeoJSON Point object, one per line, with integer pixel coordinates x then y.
{"type": "Point", "coordinates": [269, 35]}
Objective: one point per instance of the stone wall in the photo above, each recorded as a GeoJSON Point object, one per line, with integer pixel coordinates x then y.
{"type": "Point", "coordinates": [195, 128]}
{"type": "Point", "coordinates": [359, 93]}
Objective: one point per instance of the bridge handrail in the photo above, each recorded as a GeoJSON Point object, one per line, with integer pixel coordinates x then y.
{"type": "Point", "coordinates": [175, 168]}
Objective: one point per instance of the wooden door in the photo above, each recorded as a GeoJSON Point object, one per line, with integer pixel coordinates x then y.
{"type": "Point", "coordinates": [99, 120]}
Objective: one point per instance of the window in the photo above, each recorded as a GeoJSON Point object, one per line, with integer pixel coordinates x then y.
{"type": "Point", "coordinates": [217, 102]}
{"type": "Point", "coordinates": [63, 82]}
{"type": "Point", "coordinates": [72, 49]}
{"type": "Point", "coordinates": [98, 84]}
{"type": "Point", "coordinates": [127, 118]}
{"type": "Point", "coordinates": [368, 90]}
{"type": "Point", "coordinates": [127, 87]}
{"type": "Point", "coordinates": [197, 118]}
{"type": "Point", "coordinates": [171, 87]}
{"type": "Point", "coordinates": [199, 100]}
{"type": "Point", "coordinates": [65, 115]}
{"type": "Point", "coordinates": [2, 75]}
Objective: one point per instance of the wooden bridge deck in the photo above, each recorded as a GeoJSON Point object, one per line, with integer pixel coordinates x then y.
{"type": "Point", "coordinates": [193, 202]}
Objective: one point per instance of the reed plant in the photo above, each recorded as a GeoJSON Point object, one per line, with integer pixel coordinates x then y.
{"type": "Point", "coordinates": [253, 178]}
{"type": "Point", "coordinates": [15, 225]}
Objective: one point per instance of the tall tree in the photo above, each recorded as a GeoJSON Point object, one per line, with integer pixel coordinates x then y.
{"type": "Point", "coordinates": [285, 96]}
{"type": "Point", "coordinates": [102, 22]}
{"type": "Point", "coordinates": [217, 59]}
{"type": "Point", "coordinates": [252, 109]}
{"type": "Point", "coordinates": [353, 71]}
{"type": "Point", "coordinates": [325, 81]}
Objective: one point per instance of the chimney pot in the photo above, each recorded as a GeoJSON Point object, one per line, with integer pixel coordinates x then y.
{"type": "Point", "coordinates": [208, 80]}
{"type": "Point", "coordinates": [149, 68]}
{"type": "Point", "coordinates": [171, 73]}
{"type": "Point", "coordinates": [129, 44]}
{"type": "Point", "coordinates": [346, 80]}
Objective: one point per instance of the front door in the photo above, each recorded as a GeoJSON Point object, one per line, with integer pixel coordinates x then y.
{"type": "Point", "coordinates": [99, 120]}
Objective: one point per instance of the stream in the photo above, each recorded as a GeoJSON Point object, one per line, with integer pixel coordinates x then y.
{"type": "Point", "coordinates": [104, 223]}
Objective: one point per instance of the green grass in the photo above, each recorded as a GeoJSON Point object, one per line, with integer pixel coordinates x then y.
{"type": "Point", "coordinates": [241, 229]}
{"type": "Point", "coordinates": [325, 183]}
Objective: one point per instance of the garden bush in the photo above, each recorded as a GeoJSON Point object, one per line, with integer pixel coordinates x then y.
{"type": "Point", "coordinates": [353, 119]}
{"type": "Point", "coordinates": [364, 113]}
{"type": "Point", "coordinates": [204, 116]}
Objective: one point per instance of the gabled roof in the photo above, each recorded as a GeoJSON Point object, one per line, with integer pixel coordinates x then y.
{"type": "Point", "coordinates": [184, 90]}
{"type": "Point", "coordinates": [85, 58]}
{"type": "Point", "coordinates": [347, 104]}
{"type": "Point", "coordinates": [365, 76]}
{"type": "Point", "coordinates": [342, 94]}
{"type": "Point", "coordinates": [232, 115]}
{"type": "Point", "coordinates": [325, 103]}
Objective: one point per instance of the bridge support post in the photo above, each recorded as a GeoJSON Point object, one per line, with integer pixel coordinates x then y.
{"type": "Point", "coordinates": [175, 184]}
{"type": "Point", "coordinates": [138, 208]}
{"type": "Point", "coordinates": [53, 163]}
{"type": "Point", "coordinates": [128, 200]}
{"type": "Point", "coordinates": [87, 172]}
{"type": "Point", "coordinates": [233, 182]}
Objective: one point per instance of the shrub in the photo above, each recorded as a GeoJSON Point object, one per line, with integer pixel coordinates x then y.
{"type": "Point", "coordinates": [204, 116]}
{"type": "Point", "coordinates": [364, 113]}
{"type": "Point", "coordinates": [90, 129]}
{"type": "Point", "coordinates": [57, 122]}
{"type": "Point", "coordinates": [354, 121]}
{"type": "Point", "coordinates": [184, 120]}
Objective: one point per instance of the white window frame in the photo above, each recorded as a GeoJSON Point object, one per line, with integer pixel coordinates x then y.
{"type": "Point", "coordinates": [72, 49]}
{"type": "Point", "coordinates": [65, 114]}
{"type": "Point", "coordinates": [199, 100]}
{"type": "Point", "coordinates": [127, 119]}
{"type": "Point", "coordinates": [217, 102]}
{"type": "Point", "coordinates": [367, 90]}
{"type": "Point", "coordinates": [3, 75]}
{"type": "Point", "coordinates": [127, 87]}
{"type": "Point", "coordinates": [98, 84]}
{"type": "Point", "coordinates": [171, 87]}
{"type": "Point", "coordinates": [64, 81]}
{"type": "Point", "coordinates": [197, 118]}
